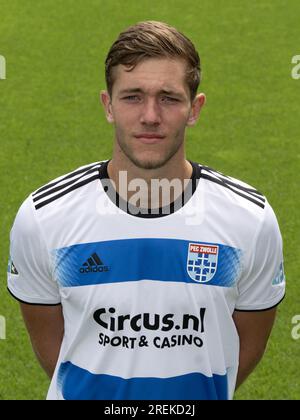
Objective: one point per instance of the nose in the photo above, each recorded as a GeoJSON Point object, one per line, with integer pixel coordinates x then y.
{"type": "Point", "coordinates": [150, 113]}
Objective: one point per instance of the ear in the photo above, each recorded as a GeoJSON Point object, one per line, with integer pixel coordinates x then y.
{"type": "Point", "coordinates": [106, 102]}
{"type": "Point", "coordinates": [197, 105]}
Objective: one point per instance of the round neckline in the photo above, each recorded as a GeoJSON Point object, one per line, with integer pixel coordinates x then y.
{"type": "Point", "coordinates": [168, 210]}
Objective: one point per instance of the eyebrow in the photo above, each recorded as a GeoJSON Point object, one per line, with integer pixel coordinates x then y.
{"type": "Point", "coordinates": [139, 90]}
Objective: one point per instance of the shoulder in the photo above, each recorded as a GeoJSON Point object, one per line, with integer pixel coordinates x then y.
{"type": "Point", "coordinates": [233, 190]}
{"type": "Point", "coordinates": [239, 203]}
{"type": "Point", "coordinates": [63, 186]}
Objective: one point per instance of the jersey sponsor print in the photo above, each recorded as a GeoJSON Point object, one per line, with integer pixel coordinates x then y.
{"type": "Point", "coordinates": [147, 301]}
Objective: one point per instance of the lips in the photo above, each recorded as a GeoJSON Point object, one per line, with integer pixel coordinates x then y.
{"type": "Point", "coordinates": [149, 138]}
{"type": "Point", "coordinates": [149, 135]}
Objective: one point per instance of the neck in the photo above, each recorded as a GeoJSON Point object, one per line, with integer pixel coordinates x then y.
{"type": "Point", "coordinates": [130, 179]}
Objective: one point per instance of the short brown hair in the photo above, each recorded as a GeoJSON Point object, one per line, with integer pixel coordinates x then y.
{"type": "Point", "coordinates": [153, 39]}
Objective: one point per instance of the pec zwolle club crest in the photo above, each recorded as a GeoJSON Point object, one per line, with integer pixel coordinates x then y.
{"type": "Point", "coordinates": [202, 262]}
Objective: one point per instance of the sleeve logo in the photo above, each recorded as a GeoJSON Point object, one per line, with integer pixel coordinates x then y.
{"type": "Point", "coordinates": [11, 267]}
{"type": "Point", "coordinates": [280, 277]}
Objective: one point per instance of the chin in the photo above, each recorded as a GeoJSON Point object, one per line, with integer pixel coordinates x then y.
{"type": "Point", "coordinates": [148, 159]}
{"type": "Point", "coordinates": [148, 163]}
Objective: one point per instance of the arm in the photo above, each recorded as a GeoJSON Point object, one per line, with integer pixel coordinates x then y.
{"type": "Point", "coordinates": [254, 329]}
{"type": "Point", "coordinates": [45, 325]}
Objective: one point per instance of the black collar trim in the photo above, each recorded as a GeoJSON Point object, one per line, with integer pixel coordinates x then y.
{"type": "Point", "coordinates": [150, 213]}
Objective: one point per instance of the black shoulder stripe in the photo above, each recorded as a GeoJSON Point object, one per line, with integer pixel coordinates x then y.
{"type": "Point", "coordinates": [213, 171]}
{"type": "Point", "coordinates": [227, 179]}
{"type": "Point", "coordinates": [72, 188]}
{"type": "Point", "coordinates": [62, 186]}
{"type": "Point", "coordinates": [70, 175]}
{"type": "Point", "coordinates": [251, 191]}
{"type": "Point", "coordinates": [226, 185]}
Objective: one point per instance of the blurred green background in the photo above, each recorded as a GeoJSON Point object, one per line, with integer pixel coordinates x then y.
{"type": "Point", "coordinates": [51, 122]}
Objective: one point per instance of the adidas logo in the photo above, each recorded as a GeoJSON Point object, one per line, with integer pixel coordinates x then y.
{"type": "Point", "coordinates": [93, 265]}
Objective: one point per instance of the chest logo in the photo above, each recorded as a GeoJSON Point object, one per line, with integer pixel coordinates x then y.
{"type": "Point", "coordinates": [202, 262]}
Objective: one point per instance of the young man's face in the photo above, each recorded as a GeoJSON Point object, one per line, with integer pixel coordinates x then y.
{"type": "Point", "coordinates": [150, 108]}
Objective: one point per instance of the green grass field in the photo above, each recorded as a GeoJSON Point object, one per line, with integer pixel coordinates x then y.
{"type": "Point", "coordinates": [51, 122]}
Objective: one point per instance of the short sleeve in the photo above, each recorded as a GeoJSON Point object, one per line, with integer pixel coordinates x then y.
{"type": "Point", "coordinates": [29, 273]}
{"type": "Point", "coordinates": [263, 284]}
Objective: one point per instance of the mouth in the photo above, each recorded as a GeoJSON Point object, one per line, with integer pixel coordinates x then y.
{"type": "Point", "coordinates": [149, 138]}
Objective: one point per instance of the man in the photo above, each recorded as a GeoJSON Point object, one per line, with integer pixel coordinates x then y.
{"type": "Point", "coordinates": [147, 276]}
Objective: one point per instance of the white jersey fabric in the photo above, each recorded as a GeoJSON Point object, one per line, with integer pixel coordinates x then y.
{"type": "Point", "coordinates": [147, 301]}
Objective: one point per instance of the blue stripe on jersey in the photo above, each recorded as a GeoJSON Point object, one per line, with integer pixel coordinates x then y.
{"type": "Point", "coordinates": [143, 259]}
{"type": "Point", "coordinates": [76, 383]}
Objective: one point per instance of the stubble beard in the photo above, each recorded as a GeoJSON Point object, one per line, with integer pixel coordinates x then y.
{"type": "Point", "coordinates": [154, 163]}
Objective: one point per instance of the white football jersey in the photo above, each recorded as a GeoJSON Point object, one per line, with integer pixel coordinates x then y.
{"type": "Point", "coordinates": [147, 299]}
